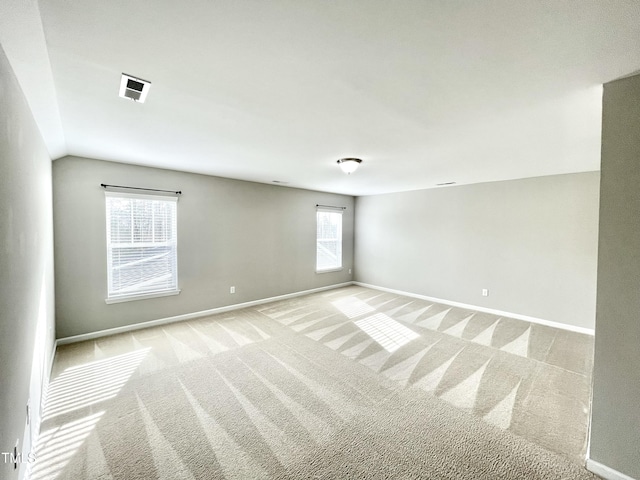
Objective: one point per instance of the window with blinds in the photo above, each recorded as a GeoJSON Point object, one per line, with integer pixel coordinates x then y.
{"type": "Point", "coordinates": [141, 246]}
{"type": "Point", "coordinates": [328, 239]}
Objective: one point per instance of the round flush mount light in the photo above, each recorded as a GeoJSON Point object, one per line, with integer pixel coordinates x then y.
{"type": "Point", "coordinates": [349, 165]}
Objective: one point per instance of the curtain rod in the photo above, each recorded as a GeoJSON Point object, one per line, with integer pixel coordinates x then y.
{"type": "Point", "coordinates": [178, 192]}
{"type": "Point", "coordinates": [330, 206]}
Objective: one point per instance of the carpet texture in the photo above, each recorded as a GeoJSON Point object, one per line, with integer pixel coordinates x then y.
{"type": "Point", "coordinates": [347, 383]}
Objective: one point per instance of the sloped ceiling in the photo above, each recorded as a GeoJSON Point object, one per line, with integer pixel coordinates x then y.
{"type": "Point", "coordinates": [424, 92]}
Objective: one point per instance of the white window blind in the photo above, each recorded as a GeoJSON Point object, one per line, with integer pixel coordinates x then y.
{"type": "Point", "coordinates": [328, 239]}
{"type": "Point", "coordinates": [141, 245]}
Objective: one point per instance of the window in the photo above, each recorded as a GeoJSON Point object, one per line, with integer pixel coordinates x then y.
{"type": "Point", "coordinates": [328, 239]}
{"type": "Point", "coordinates": [141, 246]}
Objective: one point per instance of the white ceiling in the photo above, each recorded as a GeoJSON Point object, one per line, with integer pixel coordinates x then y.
{"type": "Point", "coordinates": [423, 91]}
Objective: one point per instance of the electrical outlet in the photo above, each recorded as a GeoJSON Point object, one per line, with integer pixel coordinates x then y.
{"type": "Point", "coordinates": [232, 290]}
{"type": "Point", "coordinates": [485, 292]}
{"type": "Point", "coordinates": [349, 271]}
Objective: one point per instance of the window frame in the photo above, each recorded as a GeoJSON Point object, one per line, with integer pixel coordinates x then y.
{"type": "Point", "coordinates": [340, 238]}
{"type": "Point", "coordinates": [112, 295]}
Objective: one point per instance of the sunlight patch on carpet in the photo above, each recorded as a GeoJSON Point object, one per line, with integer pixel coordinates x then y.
{"type": "Point", "coordinates": [390, 334]}
{"type": "Point", "coordinates": [352, 307]}
{"type": "Point", "coordinates": [83, 385]}
{"type": "Point", "coordinates": [57, 445]}
{"type": "Point", "coordinates": [77, 388]}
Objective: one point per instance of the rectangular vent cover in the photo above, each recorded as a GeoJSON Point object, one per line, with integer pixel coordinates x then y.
{"type": "Point", "coordinates": [134, 88]}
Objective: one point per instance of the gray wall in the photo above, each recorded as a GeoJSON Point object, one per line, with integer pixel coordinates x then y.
{"type": "Point", "coordinates": [258, 238]}
{"type": "Point", "coordinates": [615, 430]}
{"type": "Point", "coordinates": [532, 243]}
{"type": "Point", "coordinates": [26, 267]}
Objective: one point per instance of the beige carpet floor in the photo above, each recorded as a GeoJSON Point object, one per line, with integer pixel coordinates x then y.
{"type": "Point", "coordinates": [346, 383]}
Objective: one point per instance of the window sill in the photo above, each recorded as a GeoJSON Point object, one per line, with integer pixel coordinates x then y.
{"type": "Point", "coordinates": [329, 270]}
{"type": "Point", "coordinates": [131, 298]}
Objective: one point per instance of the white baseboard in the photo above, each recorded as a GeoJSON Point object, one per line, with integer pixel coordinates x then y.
{"type": "Point", "coordinates": [605, 472]}
{"type": "Point", "coordinates": [517, 316]}
{"type": "Point", "coordinates": [189, 316]}
{"type": "Point", "coordinates": [237, 306]}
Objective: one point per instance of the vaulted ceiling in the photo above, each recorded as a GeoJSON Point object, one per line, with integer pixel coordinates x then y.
{"type": "Point", "coordinates": [424, 91]}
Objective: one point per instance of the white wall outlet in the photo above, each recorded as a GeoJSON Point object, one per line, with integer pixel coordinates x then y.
{"type": "Point", "coordinates": [349, 271]}
{"type": "Point", "coordinates": [485, 292]}
{"type": "Point", "coordinates": [232, 290]}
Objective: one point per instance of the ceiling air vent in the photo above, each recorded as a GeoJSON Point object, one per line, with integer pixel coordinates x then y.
{"type": "Point", "coordinates": [134, 88]}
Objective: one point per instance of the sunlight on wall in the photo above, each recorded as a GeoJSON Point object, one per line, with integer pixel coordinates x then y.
{"type": "Point", "coordinates": [390, 334]}
{"type": "Point", "coordinates": [39, 362]}
{"type": "Point", "coordinates": [76, 389]}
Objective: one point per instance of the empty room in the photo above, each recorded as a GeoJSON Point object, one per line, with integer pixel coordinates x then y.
{"type": "Point", "coordinates": [341, 240]}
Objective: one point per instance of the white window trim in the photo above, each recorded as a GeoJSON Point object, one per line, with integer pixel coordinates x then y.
{"type": "Point", "coordinates": [143, 296]}
{"type": "Point", "coordinates": [329, 270]}
{"type": "Point", "coordinates": [140, 296]}
{"type": "Point", "coordinates": [339, 210]}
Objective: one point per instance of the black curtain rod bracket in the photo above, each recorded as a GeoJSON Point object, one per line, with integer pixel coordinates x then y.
{"type": "Point", "coordinates": [175, 192]}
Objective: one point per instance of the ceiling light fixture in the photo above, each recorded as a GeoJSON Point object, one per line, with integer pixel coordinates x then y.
{"type": "Point", "coordinates": [349, 165]}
